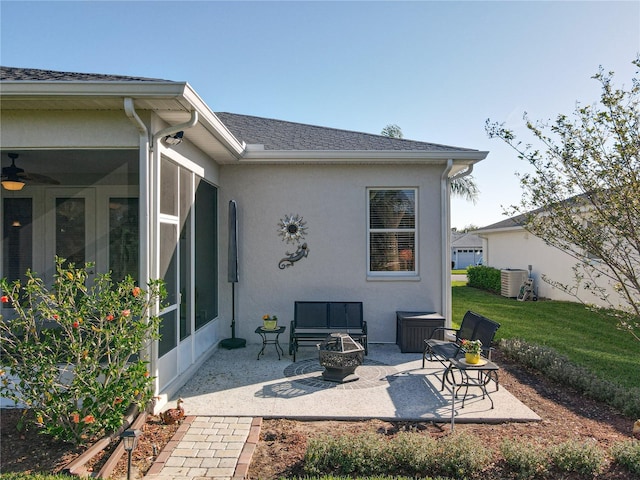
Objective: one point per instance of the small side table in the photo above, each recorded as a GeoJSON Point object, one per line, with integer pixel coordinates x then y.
{"type": "Point", "coordinates": [484, 374]}
{"type": "Point", "coordinates": [264, 333]}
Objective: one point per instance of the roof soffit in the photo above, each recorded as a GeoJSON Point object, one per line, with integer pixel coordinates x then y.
{"type": "Point", "coordinates": [171, 101]}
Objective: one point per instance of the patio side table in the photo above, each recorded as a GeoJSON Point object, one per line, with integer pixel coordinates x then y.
{"type": "Point", "coordinates": [470, 376]}
{"type": "Point", "coordinates": [266, 340]}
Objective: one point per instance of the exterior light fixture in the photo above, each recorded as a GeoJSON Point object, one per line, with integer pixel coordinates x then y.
{"type": "Point", "coordinates": [175, 139]}
{"type": "Point", "coordinates": [129, 441]}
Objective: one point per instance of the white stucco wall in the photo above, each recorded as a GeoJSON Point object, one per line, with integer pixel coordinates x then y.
{"type": "Point", "coordinates": [332, 199]}
{"type": "Point", "coordinates": [67, 128]}
{"type": "Point", "coordinates": [517, 249]}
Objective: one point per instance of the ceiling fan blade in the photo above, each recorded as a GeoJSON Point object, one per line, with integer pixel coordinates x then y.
{"type": "Point", "coordinates": [15, 173]}
{"type": "Point", "coordinates": [36, 178]}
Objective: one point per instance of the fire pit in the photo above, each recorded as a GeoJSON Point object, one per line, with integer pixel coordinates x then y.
{"type": "Point", "coordinates": [340, 355]}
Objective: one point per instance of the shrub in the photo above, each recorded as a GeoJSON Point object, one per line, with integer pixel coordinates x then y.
{"type": "Point", "coordinates": [71, 353]}
{"type": "Point", "coordinates": [408, 453]}
{"type": "Point", "coordinates": [461, 455]}
{"type": "Point", "coordinates": [627, 454]}
{"type": "Point", "coordinates": [560, 369]}
{"type": "Point", "coordinates": [525, 460]}
{"type": "Point", "coordinates": [485, 278]}
{"type": "Point", "coordinates": [412, 454]}
{"type": "Point", "coordinates": [345, 455]}
{"type": "Point", "coordinates": [585, 458]}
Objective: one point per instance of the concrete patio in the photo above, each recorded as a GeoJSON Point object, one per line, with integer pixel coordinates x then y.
{"type": "Point", "coordinates": [392, 386]}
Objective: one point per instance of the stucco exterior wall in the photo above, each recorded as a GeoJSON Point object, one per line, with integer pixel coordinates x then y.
{"type": "Point", "coordinates": [332, 199]}
{"type": "Point", "coordinates": [517, 249]}
{"type": "Point", "coordinates": [65, 128]}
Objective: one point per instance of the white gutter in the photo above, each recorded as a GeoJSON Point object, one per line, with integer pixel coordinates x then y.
{"type": "Point", "coordinates": [170, 130]}
{"type": "Point", "coordinates": [253, 153]}
{"type": "Point", "coordinates": [464, 173]}
{"type": "Point", "coordinates": [445, 227]}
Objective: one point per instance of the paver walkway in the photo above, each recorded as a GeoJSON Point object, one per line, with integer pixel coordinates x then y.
{"type": "Point", "coordinates": [208, 447]}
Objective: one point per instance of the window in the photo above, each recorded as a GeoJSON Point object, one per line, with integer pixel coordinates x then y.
{"type": "Point", "coordinates": [124, 237]}
{"type": "Point", "coordinates": [392, 231]}
{"type": "Point", "coordinates": [17, 238]}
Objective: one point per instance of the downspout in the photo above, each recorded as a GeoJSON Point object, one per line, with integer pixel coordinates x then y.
{"type": "Point", "coordinates": [170, 130]}
{"type": "Point", "coordinates": [446, 236]}
{"type": "Point", "coordinates": [143, 180]}
{"type": "Point", "coordinates": [143, 185]}
{"type": "Point", "coordinates": [445, 240]}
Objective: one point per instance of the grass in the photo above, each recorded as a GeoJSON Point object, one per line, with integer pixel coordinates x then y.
{"type": "Point", "coordinates": [584, 336]}
{"type": "Point", "coordinates": [460, 271]}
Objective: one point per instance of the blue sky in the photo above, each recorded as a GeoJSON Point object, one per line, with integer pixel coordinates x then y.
{"type": "Point", "coordinates": [436, 69]}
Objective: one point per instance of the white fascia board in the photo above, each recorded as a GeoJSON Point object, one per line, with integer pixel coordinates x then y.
{"type": "Point", "coordinates": [360, 156]}
{"type": "Point", "coordinates": [92, 89]}
{"type": "Point", "coordinates": [489, 231]}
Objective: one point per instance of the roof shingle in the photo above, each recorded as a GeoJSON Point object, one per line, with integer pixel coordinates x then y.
{"type": "Point", "coordinates": [38, 75]}
{"type": "Point", "coordinates": [283, 135]}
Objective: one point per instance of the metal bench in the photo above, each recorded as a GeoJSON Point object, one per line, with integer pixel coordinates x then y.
{"type": "Point", "coordinates": [314, 321]}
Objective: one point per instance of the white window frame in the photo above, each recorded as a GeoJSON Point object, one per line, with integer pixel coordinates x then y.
{"type": "Point", "coordinates": [393, 274]}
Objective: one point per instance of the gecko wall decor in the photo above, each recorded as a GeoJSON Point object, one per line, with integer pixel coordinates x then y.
{"type": "Point", "coordinates": [293, 229]}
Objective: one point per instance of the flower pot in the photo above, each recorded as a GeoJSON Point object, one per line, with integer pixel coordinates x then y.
{"type": "Point", "coordinates": [269, 324]}
{"type": "Point", "coordinates": [472, 358]}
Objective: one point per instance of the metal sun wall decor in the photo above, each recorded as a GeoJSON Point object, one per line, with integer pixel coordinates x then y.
{"type": "Point", "coordinates": [293, 229]}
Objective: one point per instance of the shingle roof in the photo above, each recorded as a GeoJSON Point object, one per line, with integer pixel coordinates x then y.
{"type": "Point", "coordinates": [34, 74]}
{"type": "Point", "coordinates": [283, 135]}
{"type": "Point", "coordinates": [465, 240]}
{"type": "Point", "coordinates": [269, 133]}
{"type": "Point", "coordinates": [517, 221]}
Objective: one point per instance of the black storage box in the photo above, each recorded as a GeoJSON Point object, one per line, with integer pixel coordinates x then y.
{"type": "Point", "coordinates": [415, 327]}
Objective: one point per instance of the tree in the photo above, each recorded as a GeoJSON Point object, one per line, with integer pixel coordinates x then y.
{"type": "Point", "coordinates": [392, 131]}
{"type": "Point", "coordinates": [464, 187]}
{"type": "Point", "coordinates": [583, 195]}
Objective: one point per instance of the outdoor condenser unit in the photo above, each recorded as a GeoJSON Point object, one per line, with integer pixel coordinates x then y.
{"type": "Point", "coordinates": [511, 281]}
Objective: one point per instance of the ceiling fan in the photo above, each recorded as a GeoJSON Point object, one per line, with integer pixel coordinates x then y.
{"type": "Point", "coordinates": [14, 177]}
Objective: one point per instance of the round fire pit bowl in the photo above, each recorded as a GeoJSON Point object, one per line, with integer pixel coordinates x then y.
{"type": "Point", "coordinates": [340, 355]}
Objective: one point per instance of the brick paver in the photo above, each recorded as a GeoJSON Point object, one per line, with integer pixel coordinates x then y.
{"type": "Point", "coordinates": [208, 447]}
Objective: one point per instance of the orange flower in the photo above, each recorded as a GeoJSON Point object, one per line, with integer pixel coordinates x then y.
{"type": "Point", "coordinates": [55, 316]}
{"type": "Point", "coordinates": [4, 299]}
{"type": "Point", "coordinates": [75, 417]}
{"type": "Point", "coordinates": [109, 317]}
{"type": "Point", "coordinates": [126, 313]}
{"type": "Point", "coordinates": [136, 291]}
{"type": "Point", "coordinates": [76, 324]}
{"type": "Point", "coordinates": [88, 419]}
{"type": "Point", "coordinates": [146, 374]}
{"type": "Point", "coordinates": [117, 401]}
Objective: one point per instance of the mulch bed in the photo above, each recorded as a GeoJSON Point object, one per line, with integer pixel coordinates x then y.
{"type": "Point", "coordinates": [279, 453]}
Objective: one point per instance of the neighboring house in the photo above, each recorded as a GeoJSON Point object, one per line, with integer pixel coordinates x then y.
{"type": "Point", "coordinates": [466, 249]}
{"type": "Point", "coordinates": [507, 245]}
{"type": "Point", "coordinates": [136, 175]}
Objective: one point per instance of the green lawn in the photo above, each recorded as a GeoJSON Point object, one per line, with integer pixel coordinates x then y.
{"type": "Point", "coordinates": [588, 339]}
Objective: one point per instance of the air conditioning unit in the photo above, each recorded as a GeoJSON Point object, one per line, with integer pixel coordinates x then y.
{"type": "Point", "coordinates": [511, 281]}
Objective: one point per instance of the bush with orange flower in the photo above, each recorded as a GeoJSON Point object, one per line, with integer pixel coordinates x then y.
{"type": "Point", "coordinates": [72, 352]}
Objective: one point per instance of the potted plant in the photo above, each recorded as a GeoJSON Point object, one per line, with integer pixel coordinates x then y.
{"type": "Point", "coordinates": [269, 322]}
{"type": "Point", "coordinates": [472, 349]}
